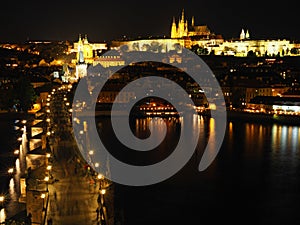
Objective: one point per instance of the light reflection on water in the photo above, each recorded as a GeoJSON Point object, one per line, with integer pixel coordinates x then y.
{"type": "Point", "coordinates": [256, 170]}
{"type": "Point", "coordinates": [2, 215]}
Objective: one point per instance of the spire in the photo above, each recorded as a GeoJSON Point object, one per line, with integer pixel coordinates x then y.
{"type": "Point", "coordinates": [182, 15]}
{"type": "Point", "coordinates": [193, 21]}
{"type": "Point", "coordinates": [85, 39]}
{"type": "Point", "coordinates": [242, 35]}
{"type": "Point", "coordinates": [174, 29]}
{"type": "Point", "coordinates": [174, 21]}
{"type": "Point", "coordinates": [247, 34]}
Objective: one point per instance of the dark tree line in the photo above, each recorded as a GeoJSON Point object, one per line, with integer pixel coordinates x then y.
{"type": "Point", "coordinates": [17, 96]}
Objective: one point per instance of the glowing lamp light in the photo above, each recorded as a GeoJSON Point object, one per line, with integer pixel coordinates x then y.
{"type": "Point", "coordinates": [2, 198]}
{"type": "Point", "coordinates": [100, 176]}
{"type": "Point", "coordinates": [103, 191]}
{"type": "Point", "coordinates": [91, 152]}
{"type": "Point", "coordinates": [10, 170]}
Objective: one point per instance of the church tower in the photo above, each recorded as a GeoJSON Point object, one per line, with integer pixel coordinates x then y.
{"type": "Point", "coordinates": [180, 30]}
{"type": "Point", "coordinates": [174, 29]}
{"type": "Point", "coordinates": [242, 35]}
{"type": "Point", "coordinates": [247, 34]}
{"type": "Point", "coordinates": [81, 66]}
{"type": "Point", "coordinates": [193, 21]}
{"type": "Point", "coordinates": [181, 25]}
{"type": "Point", "coordinates": [79, 48]}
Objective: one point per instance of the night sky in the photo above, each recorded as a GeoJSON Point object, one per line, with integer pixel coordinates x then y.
{"type": "Point", "coordinates": [108, 20]}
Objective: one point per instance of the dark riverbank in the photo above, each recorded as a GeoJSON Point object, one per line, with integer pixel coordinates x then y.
{"type": "Point", "coordinates": [14, 115]}
{"type": "Point", "coordinates": [263, 118]}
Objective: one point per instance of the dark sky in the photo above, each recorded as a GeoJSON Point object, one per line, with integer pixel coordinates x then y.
{"type": "Point", "coordinates": [108, 20]}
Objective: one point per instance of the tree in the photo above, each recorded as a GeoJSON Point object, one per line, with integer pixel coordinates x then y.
{"type": "Point", "coordinates": [25, 94]}
{"type": "Point", "coordinates": [251, 54]}
{"type": "Point", "coordinates": [295, 51]}
{"type": "Point", "coordinates": [7, 98]}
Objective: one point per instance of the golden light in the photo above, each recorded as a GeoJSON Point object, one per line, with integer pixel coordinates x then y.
{"type": "Point", "coordinates": [10, 170]}
{"type": "Point", "coordinates": [48, 120]}
{"type": "Point", "coordinates": [100, 176]}
{"type": "Point", "coordinates": [16, 152]}
{"type": "Point", "coordinates": [2, 198]}
{"type": "Point", "coordinates": [43, 195]}
{"type": "Point", "coordinates": [24, 121]}
{"type": "Point", "coordinates": [48, 155]}
{"type": "Point", "coordinates": [49, 167]}
{"type": "Point", "coordinates": [91, 152]}
{"type": "Point", "coordinates": [103, 191]}
{"type": "Point", "coordinates": [46, 179]}
{"type": "Point", "coordinates": [213, 106]}
{"type": "Point", "coordinates": [96, 165]}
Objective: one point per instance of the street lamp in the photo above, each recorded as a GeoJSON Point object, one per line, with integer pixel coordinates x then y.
{"type": "Point", "coordinates": [46, 179]}
{"type": "Point", "coordinates": [100, 178]}
{"type": "Point", "coordinates": [102, 212]}
{"type": "Point", "coordinates": [102, 192]}
{"type": "Point", "coordinates": [49, 168]}
{"type": "Point", "coordinates": [43, 197]}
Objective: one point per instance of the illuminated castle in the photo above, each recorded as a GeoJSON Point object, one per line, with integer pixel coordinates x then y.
{"type": "Point", "coordinates": [83, 49]}
{"type": "Point", "coordinates": [87, 50]}
{"type": "Point", "coordinates": [188, 35]}
{"type": "Point", "coordinates": [183, 29]}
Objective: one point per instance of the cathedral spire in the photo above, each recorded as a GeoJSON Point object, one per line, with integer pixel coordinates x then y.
{"type": "Point", "coordinates": [182, 15]}
{"type": "Point", "coordinates": [85, 39]}
{"type": "Point", "coordinates": [174, 29]}
{"type": "Point", "coordinates": [193, 21]}
{"type": "Point", "coordinates": [247, 34]}
{"type": "Point", "coordinates": [242, 35]}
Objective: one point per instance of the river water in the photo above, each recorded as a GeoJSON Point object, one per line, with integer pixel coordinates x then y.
{"type": "Point", "coordinates": [255, 178]}
{"type": "Point", "coordinates": [10, 132]}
